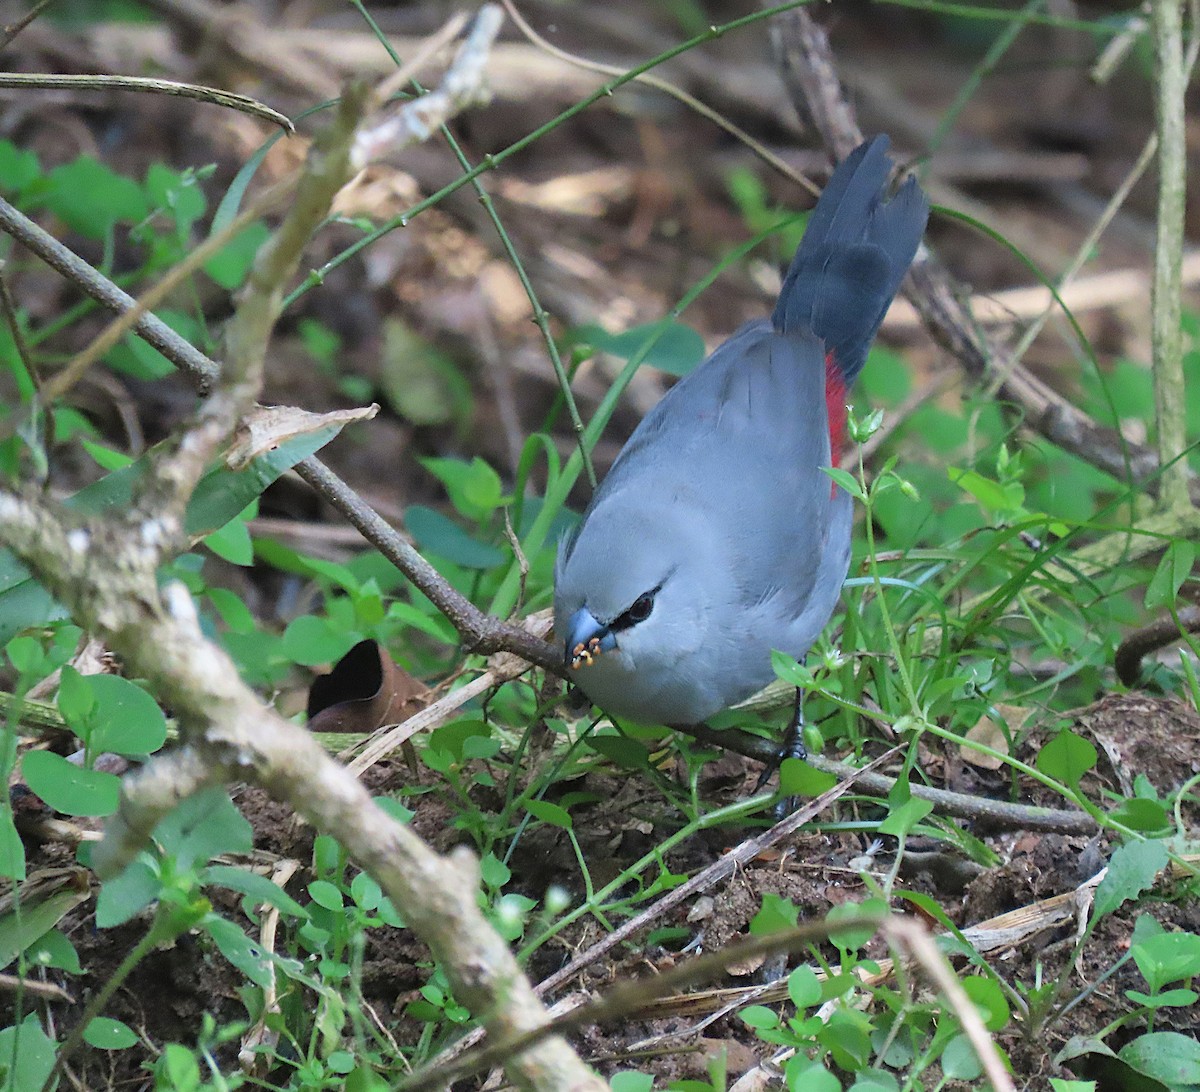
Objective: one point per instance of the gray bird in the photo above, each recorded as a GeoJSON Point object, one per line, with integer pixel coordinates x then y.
{"type": "Point", "coordinates": [716, 537]}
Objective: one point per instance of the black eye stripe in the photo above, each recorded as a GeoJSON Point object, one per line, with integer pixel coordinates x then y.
{"type": "Point", "coordinates": [638, 611]}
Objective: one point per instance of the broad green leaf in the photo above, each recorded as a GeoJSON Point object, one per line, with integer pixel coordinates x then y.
{"type": "Point", "coordinates": [1166, 1056]}
{"type": "Point", "coordinates": [1133, 868]}
{"type": "Point", "coordinates": [27, 1054]}
{"type": "Point", "coordinates": [204, 826]}
{"type": "Point", "coordinates": [231, 264]}
{"type": "Point", "coordinates": [1167, 957]}
{"type": "Point", "coordinates": [128, 894]}
{"type": "Point", "coordinates": [19, 931]}
{"type": "Point", "coordinates": [989, 999]}
{"type": "Point", "coordinates": [902, 820]}
{"type": "Point", "coordinates": [18, 168]}
{"type": "Point", "coordinates": [259, 888]}
{"type": "Point", "coordinates": [92, 198]}
{"type": "Point", "coordinates": [442, 536]}
{"type": "Point", "coordinates": [311, 640]}
{"type": "Point", "coordinates": [232, 542]}
{"type": "Point", "coordinates": [549, 813]}
{"type": "Point", "coordinates": [959, 1060]}
{"type": "Point", "coordinates": [126, 720]}
{"type": "Point", "coordinates": [624, 752]}
{"type": "Point", "coordinates": [776, 915]}
{"type": "Point", "coordinates": [105, 1033]}
{"type": "Point", "coordinates": [326, 895]}
{"type": "Point", "coordinates": [474, 487]}
{"type": "Point", "coordinates": [247, 955]}
{"type": "Point", "coordinates": [54, 949]}
{"type": "Point", "coordinates": [677, 350]}
{"type": "Point", "coordinates": [1138, 813]}
{"type": "Point", "coordinates": [68, 788]}
{"type": "Point", "coordinates": [1172, 571]}
{"type": "Point", "coordinates": [798, 778]}
{"type": "Point", "coordinates": [1066, 757]}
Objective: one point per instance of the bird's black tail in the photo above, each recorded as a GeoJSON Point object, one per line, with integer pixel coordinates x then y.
{"type": "Point", "coordinates": [854, 254]}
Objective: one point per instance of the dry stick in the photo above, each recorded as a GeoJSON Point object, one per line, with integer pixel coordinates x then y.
{"type": "Point", "coordinates": [811, 76]}
{"type": "Point", "coordinates": [918, 941]}
{"type": "Point", "coordinates": [11, 30]}
{"type": "Point", "coordinates": [994, 813]}
{"type": "Point", "coordinates": [1170, 407]}
{"type": "Point", "coordinates": [1097, 291]}
{"type": "Point", "coordinates": [33, 81]}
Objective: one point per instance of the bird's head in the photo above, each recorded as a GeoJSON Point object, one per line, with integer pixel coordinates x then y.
{"type": "Point", "coordinates": [631, 594]}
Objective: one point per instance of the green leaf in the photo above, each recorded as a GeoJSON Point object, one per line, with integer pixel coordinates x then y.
{"type": "Point", "coordinates": [629, 1081]}
{"type": "Point", "coordinates": [1172, 571]}
{"type": "Point", "coordinates": [311, 640]}
{"type": "Point", "coordinates": [326, 895]}
{"type": "Point", "coordinates": [18, 168]}
{"type": "Point", "coordinates": [68, 788]}
{"type": "Point", "coordinates": [549, 813]}
{"type": "Point", "coordinates": [28, 1056]}
{"type": "Point", "coordinates": [204, 826]}
{"type": "Point", "coordinates": [128, 894]}
{"type": "Point", "coordinates": [1066, 757]}
{"type": "Point", "coordinates": [989, 998]}
{"type": "Point", "coordinates": [1138, 813]}
{"type": "Point", "coordinates": [54, 949]}
{"type": "Point", "coordinates": [442, 536]}
{"type": "Point", "coordinates": [19, 931]}
{"type": "Point", "coordinates": [677, 350]}
{"type": "Point", "coordinates": [627, 753]}
{"type": "Point", "coordinates": [256, 887]}
{"type": "Point", "coordinates": [178, 193]}
{"type": "Point", "coordinates": [230, 266]}
{"type": "Point", "coordinates": [105, 457]}
{"type": "Point", "coordinates": [1167, 957]}
{"type": "Point", "coordinates": [804, 988]}
{"type": "Point", "coordinates": [959, 1060]}
{"type": "Point", "coordinates": [76, 701]}
{"type": "Point", "coordinates": [775, 915]}
{"type": "Point", "coordinates": [902, 820]}
{"type": "Point", "coordinates": [1002, 498]}
{"type": "Point", "coordinates": [847, 481]}
{"type": "Point", "coordinates": [126, 720]}
{"type": "Point", "coordinates": [474, 488]}
{"type": "Point", "coordinates": [247, 955]}
{"type": "Point", "coordinates": [232, 542]}
{"type": "Point", "coordinates": [421, 383]}
{"type": "Point", "coordinates": [105, 1033]}
{"type": "Point", "coordinates": [798, 778]}
{"type": "Point", "coordinates": [1166, 1056]}
{"type": "Point", "coordinates": [92, 199]}
{"type": "Point", "coordinates": [1133, 868]}
{"type": "Point", "coordinates": [759, 1017]}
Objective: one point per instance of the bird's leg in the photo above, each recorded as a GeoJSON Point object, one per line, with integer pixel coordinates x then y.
{"type": "Point", "coordinates": [792, 744]}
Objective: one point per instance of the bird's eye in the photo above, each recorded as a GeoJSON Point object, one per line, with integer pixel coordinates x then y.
{"type": "Point", "coordinates": [638, 612]}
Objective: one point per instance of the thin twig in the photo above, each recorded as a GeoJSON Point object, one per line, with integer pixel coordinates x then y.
{"type": "Point", "coordinates": [33, 81]}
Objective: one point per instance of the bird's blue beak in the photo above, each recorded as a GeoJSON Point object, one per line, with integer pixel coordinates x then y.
{"type": "Point", "coordinates": [586, 639]}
